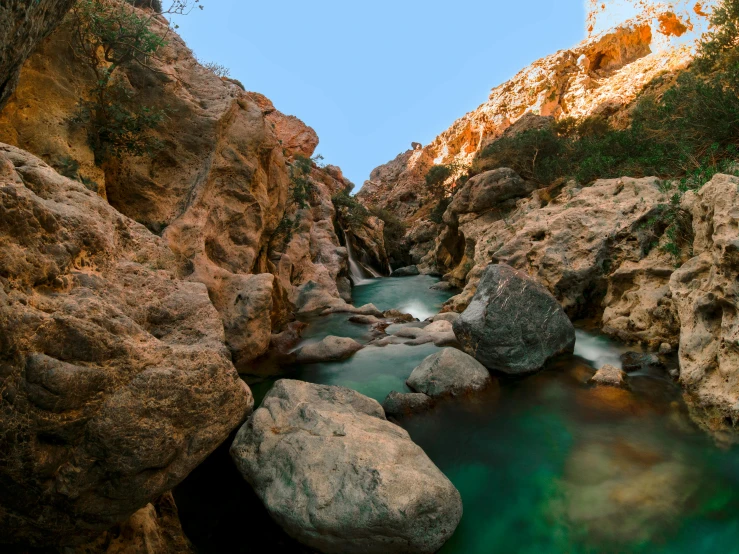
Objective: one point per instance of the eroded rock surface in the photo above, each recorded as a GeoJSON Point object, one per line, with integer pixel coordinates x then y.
{"type": "Point", "coordinates": [359, 485]}
{"type": "Point", "coordinates": [218, 191]}
{"type": "Point", "coordinates": [114, 375]}
{"type": "Point", "coordinates": [23, 26]}
{"type": "Point", "coordinates": [706, 291]}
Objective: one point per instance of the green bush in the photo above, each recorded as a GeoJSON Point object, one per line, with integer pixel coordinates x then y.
{"type": "Point", "coordinates": [393, 234]}
{"type": "Point", "coordinates": [350, 212]}
{"type": "Point", "coordinates": [109, 35]}
{"type": "Point", "coordinates": [437, 214]}
{"type": "Point", "coordinates": [691, 132]}
{"type": "Point", "coordinates": [440, 174]}
{"type": "Point", "coordinates": [301, 187]}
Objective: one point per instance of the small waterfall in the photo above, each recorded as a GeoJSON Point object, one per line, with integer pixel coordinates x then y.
{"type": "Point", "coordinates": [355, 269]}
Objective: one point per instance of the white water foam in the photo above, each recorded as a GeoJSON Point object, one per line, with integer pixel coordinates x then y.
{"type": "Point", "coordinates": [597, 350]}
{"type": "Point", "coordinates": [418, 310]}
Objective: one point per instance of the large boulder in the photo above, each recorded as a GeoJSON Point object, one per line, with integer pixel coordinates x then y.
{"type": "Point", "coordinates": [486, 191]}
{"type": "Point", "coordinates": [115, 379]}
{"type": "Point", "coordinates": [406, 403]}
{"type": "Point", "coordinates": [340, 478]}
{"type": "Point", "coordinates": [513, 324]}
{"type": "Point", "coordinates": [449, 372]}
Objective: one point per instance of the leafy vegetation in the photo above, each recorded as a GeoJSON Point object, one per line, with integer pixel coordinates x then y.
{"type": "Point", "coordinates": [301, 186]}
{"type": "Point", "coordinates": [351, 213]}
{"type": "Point", "coordinates": [217, 69]}
{"type": "Point", "coordinates": [438, 175]}
{"type": "Point", "coordinates": [108, 36]}
{"type": "Point", "coordinates": [690, 132]}
{"type": "Point", "coordinates": [686, 135]}
{"type": "Point", "coordinates": [393, 235]}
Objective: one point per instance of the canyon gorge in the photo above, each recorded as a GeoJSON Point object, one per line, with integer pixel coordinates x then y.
{"type": "Point", "coordinates": [211, 342]}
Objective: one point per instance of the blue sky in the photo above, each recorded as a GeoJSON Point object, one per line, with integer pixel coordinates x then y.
{"type": "Point", "coordinates": [372, 76]}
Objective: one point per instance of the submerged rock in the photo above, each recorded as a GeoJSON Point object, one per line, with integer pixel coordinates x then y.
{"type": "Point", "coordinates": [609, 375]}
{"type": "Point", "coordinates": [640, 361]}
{"type": "Point", "coordinates": [339, 477]}
{"type": "Point", "coordinates": [409, 271]}
{"type": "Point", "coordinates": [513, 324]}
{"type": "Point", "coordinates": [406, 403]}
{"type": "Point", "coordinates": [449, 373]}
{"type": "Point", "coordinates": [330, 349]}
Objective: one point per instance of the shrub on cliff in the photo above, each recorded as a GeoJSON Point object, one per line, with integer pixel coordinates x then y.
{"type": "Point", "coordinates": [393, 234]}
{"type": "Point", "coordinates": [438, 175]}
{"type": "Point", "coordinates": [691, 132]}
{"type": "Point", "coordinates": [110, 35]}
{"type": "Point", "coordinates": [350, 212]}
{"type": "Point", "coordinates": [301, 186]}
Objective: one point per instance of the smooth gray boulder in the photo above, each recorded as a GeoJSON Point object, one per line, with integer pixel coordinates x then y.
{"type": "Point", "coordinates": [340, 478]}
{"type": "Point", "coordinates": [513, 324]}
{"type": "Point", "coordinates": [406, 403]}
{"type": "Point", "coordinates": [408, 271]}
{"type": "Point", "coordinates": [330, 349]}
{"type": "Point", "coordinates": [449, 372]}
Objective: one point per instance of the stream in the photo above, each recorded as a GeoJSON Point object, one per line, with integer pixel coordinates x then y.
{"type": "Point", "coordinates": [545, 464]}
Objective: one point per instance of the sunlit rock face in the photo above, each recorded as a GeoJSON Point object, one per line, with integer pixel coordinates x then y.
{"type": "Point", "coordinates": [601, 76]}
{"type": "Point", "coordinates": [676, 22]}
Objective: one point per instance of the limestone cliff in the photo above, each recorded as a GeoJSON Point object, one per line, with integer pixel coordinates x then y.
{"type": "Point", "coordinates": [600, 76]}
{"type": "Point", "coordinates": [217, 190]}
{"type": "Point", "coordinates": [132, 286]}
{"type": "Point", "coordinates": [114, 375]}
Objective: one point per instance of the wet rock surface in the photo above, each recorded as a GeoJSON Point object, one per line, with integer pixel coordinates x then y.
{"type": "Point", "coordinates": [609, 375]}
{"type": "Point", "coordinates": [359, 485]}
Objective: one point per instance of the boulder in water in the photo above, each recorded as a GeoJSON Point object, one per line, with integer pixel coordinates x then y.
{"type": "Point", "coordinates": [449, 372]}
{"type": "Point", "coordinates": [330, 349]}
{"type": "Point", "coordinates": [406, 403]}
{"type": "Point", "coordinates": [641, 361]}
{"type": "Point", "coordinates": [339, 477]}
{"type": "Point", "coordinates": [513, 324]}
{"type": "Point", "coordinates": [609, 375]}
{"type": "Point", "coordinates": [408, 271]}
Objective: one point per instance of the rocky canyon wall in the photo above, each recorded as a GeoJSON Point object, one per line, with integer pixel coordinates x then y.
{"type": "Point", "coordinates": [134, 286]}
{"type": "Point", "coordinates": [217, 189]}
{"type": "Point", "coordinates": [599, 248]}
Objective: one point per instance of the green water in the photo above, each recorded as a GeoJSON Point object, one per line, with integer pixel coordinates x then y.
{"type": "Point", "coordinates": [550, 464]}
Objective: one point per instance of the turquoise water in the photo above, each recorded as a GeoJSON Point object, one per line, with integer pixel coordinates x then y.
{"type": "Point", "coordinates": [410, 295]}
{"type": "Point", "coordinates": [550, 464]}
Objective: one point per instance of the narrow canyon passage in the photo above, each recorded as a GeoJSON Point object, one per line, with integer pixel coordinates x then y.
{"type": "Point", "coordinates": [549, 463]}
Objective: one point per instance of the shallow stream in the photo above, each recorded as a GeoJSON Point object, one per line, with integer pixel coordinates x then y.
{"type": "Point", "coordinates": [550, 463]}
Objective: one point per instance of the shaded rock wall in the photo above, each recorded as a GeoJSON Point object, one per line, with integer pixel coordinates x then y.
{"type": "Point", "coordinates": [23, 25]}
{"type": "Point", "coordinates": [114, 375]}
